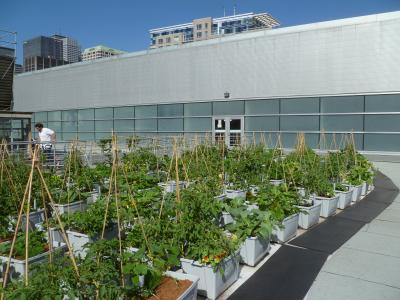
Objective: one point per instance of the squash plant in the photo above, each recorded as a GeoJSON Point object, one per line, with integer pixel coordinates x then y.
{"type": "Point", "coordinates": [278, 200]}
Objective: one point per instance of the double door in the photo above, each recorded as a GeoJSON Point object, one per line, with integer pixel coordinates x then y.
{"type": "Point", "coordinates": [228, 130]}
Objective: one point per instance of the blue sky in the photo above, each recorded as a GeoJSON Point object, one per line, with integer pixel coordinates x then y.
{"type": "Point", "coordinates": [124, 24]}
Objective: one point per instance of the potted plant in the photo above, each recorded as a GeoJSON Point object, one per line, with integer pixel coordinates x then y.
{"type": "Point", "coordinates": [38, 252]}
{"type": "Point", "coordinates": [282, 204]}
{"type": "Point", "coordinates": [253, 228]}
{"type": "Point", "coordinates": [325, 194]}
{"type": "Point", "coordinates": [309, 213]}
{"type": "Point", "coordinates": [345, 195]}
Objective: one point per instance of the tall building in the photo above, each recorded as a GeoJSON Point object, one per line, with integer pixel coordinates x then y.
{"type": "Point", "coordinates": [6, 78]}
{"type": "Point", "coordinates": [207, 28]}
{"type": "Point", "coordinates": [325, 79]}
{"type": "Point", "coordinates": [99, 52]}
{"type": "Point", "coordinates": [42, 52]}
{"type": "Point", "coordinates": [71, 48]}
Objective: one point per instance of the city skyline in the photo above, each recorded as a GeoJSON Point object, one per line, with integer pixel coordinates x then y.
{"type": "Point", "coordinates": [125, 25]}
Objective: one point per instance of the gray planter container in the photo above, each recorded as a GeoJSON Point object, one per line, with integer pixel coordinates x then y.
{"type": "Point", "coordinates": [288, 231]}
{"type": "Point", "coordinates": [226, 218]}
{"type": "Point", "coordinates": [356, 193]}
{"type": "Point", "coordinates": [276, 181]}
{"type": "Point", "coordinates": [232, 194]}
{"type": "Point", "coordinates": [329, 205]}
{"type": "Point", "coordinates": [309, 215]}
{"type": "Point", "coordinates": [191, 292]}
{"type": "Point", "coordinates": [71, 207]}
{"type": "Point", "coordinates": [35, 218]}
{"type": "Point", "coordinates": [213, 283]}
{"type": "Point", "coordinates": [301, 191]}
{"type": "Point", "coordinates": [344, 198]}
{"type": "Point", "coordinates": [170, 186]}
{"type": "Point", "coordinates": [253, 250]}
{"type": "Point", "coordinates": [17, 267]}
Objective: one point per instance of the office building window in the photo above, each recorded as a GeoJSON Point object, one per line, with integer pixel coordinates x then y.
{"type": "Point", "coordinates": [160, 41]}
{"type": "Point", "coordinates": [168, 40]}
{"type": "Point", "coordinates": [198, 26]}
{"type": "Point", "coordinates": [199, 34]}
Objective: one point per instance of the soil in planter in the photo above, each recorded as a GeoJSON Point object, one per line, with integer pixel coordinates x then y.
{"type": "Point", "coordinates": [170, 289]}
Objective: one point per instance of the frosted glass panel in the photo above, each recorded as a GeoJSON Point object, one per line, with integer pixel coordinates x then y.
{"type": "Point", "coordinates": [382, 103]}
{"type": "Point", "coordinates": [104, 126]}
{"type": "Point", "coordinates": [170, 124]}
{"type": "Point", "coordinates": [382, 142]}
{"type": "Point", "coordinates": [86, 136]}
{"type": "Point", "coordinates": [69, 126]}
{"type": "Point", "coordinates": [86, 114]}
{"type": "Point", "coordinates": [339, 141]}
{"type": "Point", "coordinates": [170, 110]}
{"type": "Point", "coordinates": [86, 125]}
{"type": "Point", "coordinates": [40, 117]}
{"type": "Point", "coordinates": [127, 112]}
{"type": "Point", "coordinates": [54, 116]}
{"type": "Point", "coordinates": [342, 123]}
{"type": "Point", "coordinates": [198, 109]}
{"type": "Point", "coordinates": [300, 106]}
{"type": "Point", "coordinates": [198, 124]}
{"type": "Point", "coordinates": [289, 140]}
{"type": "Point", "coordinates": [104, 113]}
{"type": "Point", "coordinates": [124, 125]}
{"type": "Point", "coordinates": [146, 111]}
{"type": "Point", "coordinates": [146, 125]}
{"type": "Point", "coordinates": [386, 123]}
{"type": "Point", "coordinates": [342, 104]}
{"type": "Point", "coordinates": [228, 108]}
{"type": "Point", "coordinates": [56, 126]}
{"type": "Point", "coordinates": [261, 124]}
{"type": "Point", "coordinates": [260, 107]}
{"type": "Point", "coordinates": [70, 115]}
{"type": "Point", "coordinates": [299, 123]}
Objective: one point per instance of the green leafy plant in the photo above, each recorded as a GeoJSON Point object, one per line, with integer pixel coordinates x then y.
{"type": "Point", "coordinates": [36, 242]}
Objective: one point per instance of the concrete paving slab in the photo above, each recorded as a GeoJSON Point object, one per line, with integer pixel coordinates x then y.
{"type": "Point", "coordinates": [375, 243]}
{"type": "Point", "coordinates": [395, 206]}
{"type": "Point", "coordinates": [332, 287]}
{"type": "Point", "coordinates": [383, 227]}
{"type": "Point", "coordinates": [391, 215]}
{"type": "Point", "coordinates": [366, 266]}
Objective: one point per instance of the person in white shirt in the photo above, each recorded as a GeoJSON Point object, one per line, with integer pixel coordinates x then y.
{"type": "Point", "coordinates": [47, 137]}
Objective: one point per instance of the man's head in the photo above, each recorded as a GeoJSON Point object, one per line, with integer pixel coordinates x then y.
{"type": "Point", "coordinates": [39, 127]}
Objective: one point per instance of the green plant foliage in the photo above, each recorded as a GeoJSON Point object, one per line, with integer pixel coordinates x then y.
{"type": "Point", "coordinates": [37, 245]}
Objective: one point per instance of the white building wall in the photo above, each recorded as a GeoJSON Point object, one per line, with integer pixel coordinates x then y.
{"type": "Point", "coordinates": [350, 56]}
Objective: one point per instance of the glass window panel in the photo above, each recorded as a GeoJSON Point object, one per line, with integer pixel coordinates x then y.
{"type": "Point", "coordinates": [102, 135]}
{"type": "Point", "coordinates": [382, 123]}
{"type": "Point", "coordinates": [69, 126]}
{"type": "Point", "coordinates": [146, 111]}
{"type": "Point", "coordinates": [124, 125]}
{"type": "Point", "coordinates": [170, 124]}
{"type": "Point", "coordinates": [54, 116]}
{"type": "Point", "coordinates": [198, 109]}
{"type": "Point", "coordinates": [333, 141]}
{"type": "Point", "coordinates": [69, 136]}
{"type": "Point", "coordinates": [40, 117]}
{"type": "Point", "coordinates": [86, 114]}
{"type": "Point", "coordinates": [146, 125]}
{"type": "Point", "coordinates": [106, 126]}
{"type": "Point", "coordinates": [260, 107]}
{"type": "Point", "coordinates": [342, 123]}
{"type": "Point", "coordinates": [300, 106]}
{"type": "Point", "coordinates": [170, 110]}
{"type": "Point", "coordinates": [228, 108]}
{"type": "Point", "coordinates": [382, 103]}
{"type": "Point", "coordinates": [198, 124]}
{"type": "Point", "coordinates": [86, 136]}
{"type": "Point", "coordinates": [56, 126]}
{"type": "Point", "coordinates": [262, 123]}
{"type": "Point", "coordinates": [104, 113]}
{"type": "Point", "coordinates": [127, 112]}
{"type": "Point", "coordinates": [345, 104]}
{"type": "Point", "coordinates": [299, 123]}
{"type": "Point", "coordinates": [382, 142]}
{"type": "Point", "coordinates": [289, 140]}
{"type": "Point", "coordinates": [86, 125]}
{"type": "Point", "coordinates": [69, 115]}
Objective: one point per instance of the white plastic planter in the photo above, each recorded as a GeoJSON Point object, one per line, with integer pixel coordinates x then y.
{"type": "Point", "coordinates": [253, 250]}
{"type": "Point", "coordinates": [93, 196]}
{"type": "Point", "coordinates": [17, 266]}
{"type": "Point", "coordinates": [232, 194]}
{"type": "Point", "coordinates": [364, 188]}
{"type": "Point", "coordinates": [276, 181]}
{"type": "Point", "coordinates": [329, 205]}
{"type": "Point", "coordinates": [344, 198]}
{"type": "Point", "coordinates": [301, 191]}
{"type": "Point", "coordinates": [191, 292]}
{"type": "Point", "coordinates": [309, 216]}
{"type": "Point", "coordinates": [213, 283]}
{"type": "Point", "coordinates": [221, 197]}
{"type": "Point", "coordinates": [356, 193]}
{"type": "Point", "coordinates": [71, 207]}
{"type": "Point", "coordinates": [288, 231]}
{"type": "Point", "coordinates": [226, 218]}
{"type": "Point", "coordinates": [170, 186]}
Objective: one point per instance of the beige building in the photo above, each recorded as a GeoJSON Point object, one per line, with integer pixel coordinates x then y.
{"type": "Point", "coordinates": [99, 52]}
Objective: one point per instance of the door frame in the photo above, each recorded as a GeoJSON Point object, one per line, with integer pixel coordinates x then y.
{"type": "Point", "coordinates": [227, 119]}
